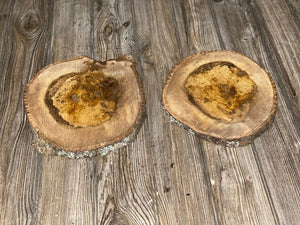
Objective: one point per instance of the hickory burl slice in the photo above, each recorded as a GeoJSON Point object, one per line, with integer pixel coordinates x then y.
{"type": "Point", "coordinates": [222, 95]}
{"type": "Point", "coordinates": [81, 107]}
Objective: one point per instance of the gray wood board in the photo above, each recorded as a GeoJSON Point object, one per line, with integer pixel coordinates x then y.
{"type": "Point", "coordinates": [167, 175]}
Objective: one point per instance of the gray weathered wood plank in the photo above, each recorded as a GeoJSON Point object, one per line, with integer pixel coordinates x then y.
{"type": "Point", "coordinates": [167, 175]}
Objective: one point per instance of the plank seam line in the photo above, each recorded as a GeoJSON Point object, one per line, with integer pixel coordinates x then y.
{"type": "Point", "coordinates": [265, 184]}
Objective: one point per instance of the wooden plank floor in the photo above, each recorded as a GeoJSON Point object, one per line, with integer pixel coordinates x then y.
{"type": "Point", "coordinates": [167, 175]}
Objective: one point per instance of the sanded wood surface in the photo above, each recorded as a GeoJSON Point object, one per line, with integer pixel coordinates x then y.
{"type": "Point", "coordinates": [167, 175]}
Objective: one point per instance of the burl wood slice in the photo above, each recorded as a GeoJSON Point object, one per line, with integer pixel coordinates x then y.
{"type": "Point", "coordinates": [81, 107]}
{"type": "Point", "coordinates": [222, 95]}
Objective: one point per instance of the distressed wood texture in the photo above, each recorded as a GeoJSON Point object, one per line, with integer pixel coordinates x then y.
{"type": "Point", "coordinates": [167, 175]}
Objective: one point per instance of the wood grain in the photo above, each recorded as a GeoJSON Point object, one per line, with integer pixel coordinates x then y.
{"type": "Point", "coordinates": [167, 175]}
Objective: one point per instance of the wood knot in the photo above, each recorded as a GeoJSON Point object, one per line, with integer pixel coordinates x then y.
{"type": "Point", "coordinates": [126, 24]}
{"type": "Point", "coordinates": [29, 25]}
{"type": "Point", "coordinates": [118, 219]}
{"type": "Point", "coordinates": [166, 189]}
{"type": "Point", "coordinates": [108, 30]}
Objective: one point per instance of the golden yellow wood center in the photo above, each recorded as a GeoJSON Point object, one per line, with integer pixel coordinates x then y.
{"type": "Point", "coordinates": [221, 90]}
{"type": "Point", "coordinates": [83, 99]}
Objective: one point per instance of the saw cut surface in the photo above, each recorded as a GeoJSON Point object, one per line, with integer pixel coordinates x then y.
{"type": "Point", "coordinates": [223, 96]}
{"type": "Point", "coordinates": [221, 90]}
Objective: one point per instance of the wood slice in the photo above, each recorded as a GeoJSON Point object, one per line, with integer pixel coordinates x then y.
{"type": "Point", "coordinates": [82, 107]}
{"type": "Point", "coordinates": [223, 96]}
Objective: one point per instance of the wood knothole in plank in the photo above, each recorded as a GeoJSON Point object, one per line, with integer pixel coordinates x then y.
{"type": "Point", "coordinates": [29, 25]}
